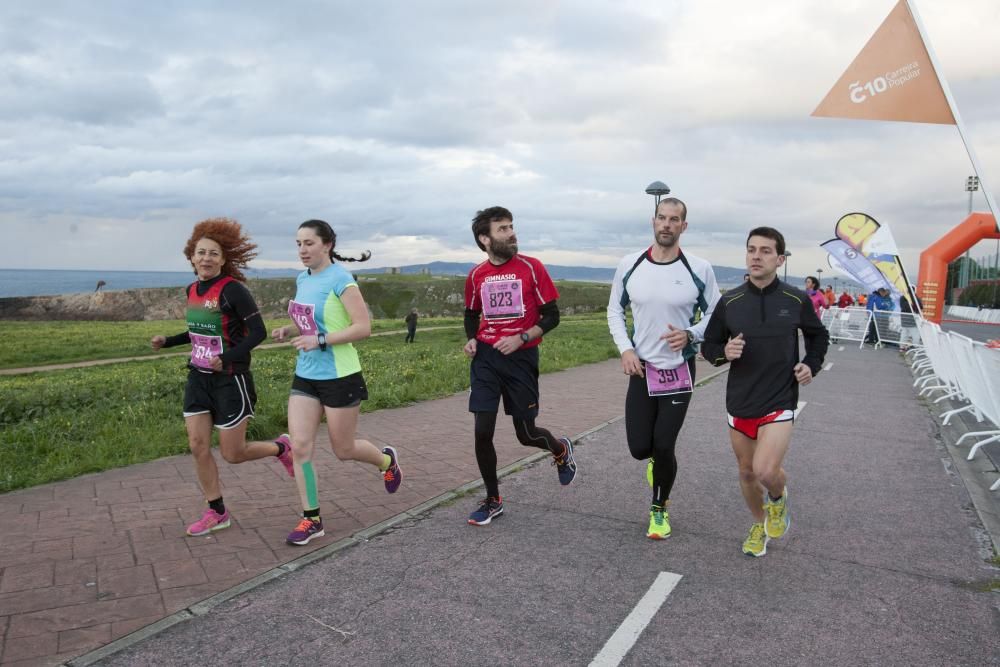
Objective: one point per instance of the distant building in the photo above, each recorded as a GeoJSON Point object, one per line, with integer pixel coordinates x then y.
{"type": "Point", "coordinates": [425, 271]}
{"type": "Point", "coordinates": [392, 269]}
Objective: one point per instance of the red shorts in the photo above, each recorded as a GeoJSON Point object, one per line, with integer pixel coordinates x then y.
{"type": "Point", "coordinates": [749, 426]}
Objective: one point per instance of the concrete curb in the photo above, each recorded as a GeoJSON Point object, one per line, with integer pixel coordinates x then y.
{"type": "Point", "coordinates": [363, 535]}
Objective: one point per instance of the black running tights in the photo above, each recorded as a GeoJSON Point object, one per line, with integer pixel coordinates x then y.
{"type": "Point", "coordinates": [651, 428]}
{"type": "Point", "coordinates": [528, 435]}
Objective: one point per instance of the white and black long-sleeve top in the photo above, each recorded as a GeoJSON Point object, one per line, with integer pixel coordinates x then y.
{"type": "Point", "coordinates": [681, 293]}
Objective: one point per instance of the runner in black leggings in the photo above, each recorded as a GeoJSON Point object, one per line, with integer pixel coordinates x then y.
{"type": "Point", "coordinates": [667, 291]}
{"type": "Point", "coordinates": [510, 301]}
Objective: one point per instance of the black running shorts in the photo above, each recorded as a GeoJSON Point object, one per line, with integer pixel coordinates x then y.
{"type": "Point", "coordinates": [345, 392]}
{"type": "Point", "coordinates": [512, 377]}
{"type": "Point", "coordinates": [230, 399]}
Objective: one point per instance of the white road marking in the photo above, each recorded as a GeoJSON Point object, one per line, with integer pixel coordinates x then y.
{"type": "Point", "coordinates": [828, 366]}
{"type": "Point", "coordinates": [628, 632]}
{"type": "Point", "coordinates": [840, 349]}
{"type": "Point", "coordinates": [798, 410]}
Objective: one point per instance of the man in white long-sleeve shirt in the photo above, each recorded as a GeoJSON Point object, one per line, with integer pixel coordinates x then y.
{"type": "Point", "coordinates": [671, 295]}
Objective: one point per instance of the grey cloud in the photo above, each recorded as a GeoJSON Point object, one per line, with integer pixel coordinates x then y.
{"type": "Point", "coordinates": [403, 119]}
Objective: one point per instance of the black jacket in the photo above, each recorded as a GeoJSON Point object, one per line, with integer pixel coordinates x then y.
{"type": "Point", "coordinates": [763, 380]}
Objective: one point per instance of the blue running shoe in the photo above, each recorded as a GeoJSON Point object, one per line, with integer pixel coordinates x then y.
{"type": "Point", "coordinates": [490, 508]}
{"type": "Point", "coordinates": [565, 464]}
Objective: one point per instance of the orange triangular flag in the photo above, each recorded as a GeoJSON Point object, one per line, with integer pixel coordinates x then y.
{"type": "Point", "coordinates": [892, 78]}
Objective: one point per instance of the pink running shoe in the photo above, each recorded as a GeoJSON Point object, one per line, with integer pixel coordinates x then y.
{"type": "Point", "coordinates": [286, 456]}
{"type": "Point", "coordinates": [209, 521]}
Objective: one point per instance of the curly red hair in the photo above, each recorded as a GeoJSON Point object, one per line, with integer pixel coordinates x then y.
{"type": "Point", "coordinates": [236, 246]}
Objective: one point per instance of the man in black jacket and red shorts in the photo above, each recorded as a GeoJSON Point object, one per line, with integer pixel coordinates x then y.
{"type": "Point", "coordinates": [755, 328]}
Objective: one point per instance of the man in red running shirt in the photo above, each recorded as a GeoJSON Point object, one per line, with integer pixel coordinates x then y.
{"type": "Point", "coordinates": [510, 302]}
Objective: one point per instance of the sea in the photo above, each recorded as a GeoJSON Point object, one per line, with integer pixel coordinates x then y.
{"type": "Point", "coordinates": [42, 282]}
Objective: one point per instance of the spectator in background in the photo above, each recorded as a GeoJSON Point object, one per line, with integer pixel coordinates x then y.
{"type": "Point", "coordinates": [845, 300]}
{"type": "Point", "coordinates": [411, 325]}
{"type": "Point", "coordinates": [879, 300]}
{"type": "Point", "coordinates": [815, 295]}
{"type": "Point", "coordinates": [862, 300]}
{"type": "Point", "coordinates": [831, 298]}
{"type": "Point", "coordinates": [908, 322]}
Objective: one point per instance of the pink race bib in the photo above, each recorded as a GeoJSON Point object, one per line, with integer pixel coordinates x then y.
{"type": "Point", "coordinates": [502, 299]}
{"type": "Point", "coordinates": [668, 381]}
{"type": "Point", "coordinates": [204, 349]}
{"type": "Point", "coordinates": [303, 315]}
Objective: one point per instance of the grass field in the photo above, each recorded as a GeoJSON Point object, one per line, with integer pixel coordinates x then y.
{"type": "Point", "coordinates": [60, 424]}
{"type": "Point", "coordinates": [36, 344]}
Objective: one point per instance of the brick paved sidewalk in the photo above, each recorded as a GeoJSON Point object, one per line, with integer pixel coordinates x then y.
{"type": "Point", "coordinates": [89, 560]}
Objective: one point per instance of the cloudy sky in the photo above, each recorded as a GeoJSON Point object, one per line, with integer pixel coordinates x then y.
{"type": "Point", "coordinates": [125, 123]}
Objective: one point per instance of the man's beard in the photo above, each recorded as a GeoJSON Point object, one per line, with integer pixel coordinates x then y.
{"type": "Point", "coordinates": [666, 241]}
{"type": "Point", "coordinates": [504, 249]}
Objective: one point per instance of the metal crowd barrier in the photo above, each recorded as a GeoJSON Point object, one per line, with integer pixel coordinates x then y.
{"type": "Point", "coordinates": [897, 328]}
{"type": "Point", "coordinates": [987, 315]}
{"type": "Point", "coordinates": [847, 324]}
{"type": "Point", "coordinates": [965, 370]}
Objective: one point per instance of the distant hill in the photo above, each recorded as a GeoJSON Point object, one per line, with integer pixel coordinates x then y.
{"type": "Point", "coordinates": [600, 275]}
{"type": "Point", "coordinates": [727, 276]}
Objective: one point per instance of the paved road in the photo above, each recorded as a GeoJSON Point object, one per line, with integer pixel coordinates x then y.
{"type": "Point", "coordinates": [974, 330]}
{"type": "Point", "coordinates": [89, 560]}
{"type": "Point", "coordinates": [886, 562]}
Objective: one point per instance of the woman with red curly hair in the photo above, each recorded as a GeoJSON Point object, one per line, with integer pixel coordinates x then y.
{"type": "Point", "coordinates": [223, 325]}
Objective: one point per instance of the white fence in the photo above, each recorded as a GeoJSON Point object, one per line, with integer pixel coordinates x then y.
{"type": "Point", "coordinates": [966, 371]}
{"type": "Point", "coordinates": [990, 316]}
{"type": "Point", "coordinates": [896, 328]}
{"type": "Point", "coordinates": [847, 324]}
{"type": "Point", "coordinates": [878, 327]}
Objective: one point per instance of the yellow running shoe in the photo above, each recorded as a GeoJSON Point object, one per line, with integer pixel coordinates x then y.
{"type": "Point", "coordinates": [778, 519]}
{"type": "Point", "coordinates": [659, 523]}
{"type": "Point", "coordinates": [756, 543]}
{"type": "Point", "coordinates": [649, 473]}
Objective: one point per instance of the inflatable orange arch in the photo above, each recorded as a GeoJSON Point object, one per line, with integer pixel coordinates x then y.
{"type": "Point", "coordinates": [933, 276]}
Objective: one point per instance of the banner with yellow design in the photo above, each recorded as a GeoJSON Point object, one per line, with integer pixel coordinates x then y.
{"type": "Point", "coordinates": [861, 242]}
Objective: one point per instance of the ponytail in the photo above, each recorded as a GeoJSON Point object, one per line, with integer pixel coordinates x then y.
{"type": "Point", "coordinates": [325, 232]}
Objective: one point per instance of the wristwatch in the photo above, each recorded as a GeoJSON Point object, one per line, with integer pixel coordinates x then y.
{"type": "Point", "coordinates": [321, 338]}
{"type": "Point", "coordinates": [525, 337]}
{"type": "Point", "coordinates": [690, 336]}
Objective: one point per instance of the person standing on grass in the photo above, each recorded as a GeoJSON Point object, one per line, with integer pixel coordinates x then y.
{"type": "Point", "coordinates": [328, 315]}
{"type": "Point", "coordinates": [411, 325]}
{"type": "Point", "coordinates": [223, 325]}
{"type": "Point", "coordinates": [510, 302]}
{"type": "Point", "coordinates": [667, 290]}
{"type": "Point", "coordinates": [755, 329]}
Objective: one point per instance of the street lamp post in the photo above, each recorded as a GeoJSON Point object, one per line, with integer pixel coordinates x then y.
{"type": "Point", "coordinates": [819, 277]}
{"type": "Point", "coordinates": [787, 255]}
{"type": "Point", "coordinates": [657, 189]}
{"type": "Point", "coordinates": [971, 186]}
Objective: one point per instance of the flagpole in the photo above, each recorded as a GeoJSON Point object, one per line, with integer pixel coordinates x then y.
{"type": "Point", "coordinates": [954, 110]}
{"type": "Point", "coordinates": [914, 304]}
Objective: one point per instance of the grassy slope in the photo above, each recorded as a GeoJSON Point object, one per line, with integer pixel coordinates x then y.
{"type": "Point", "coordinates": [60, 424]}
